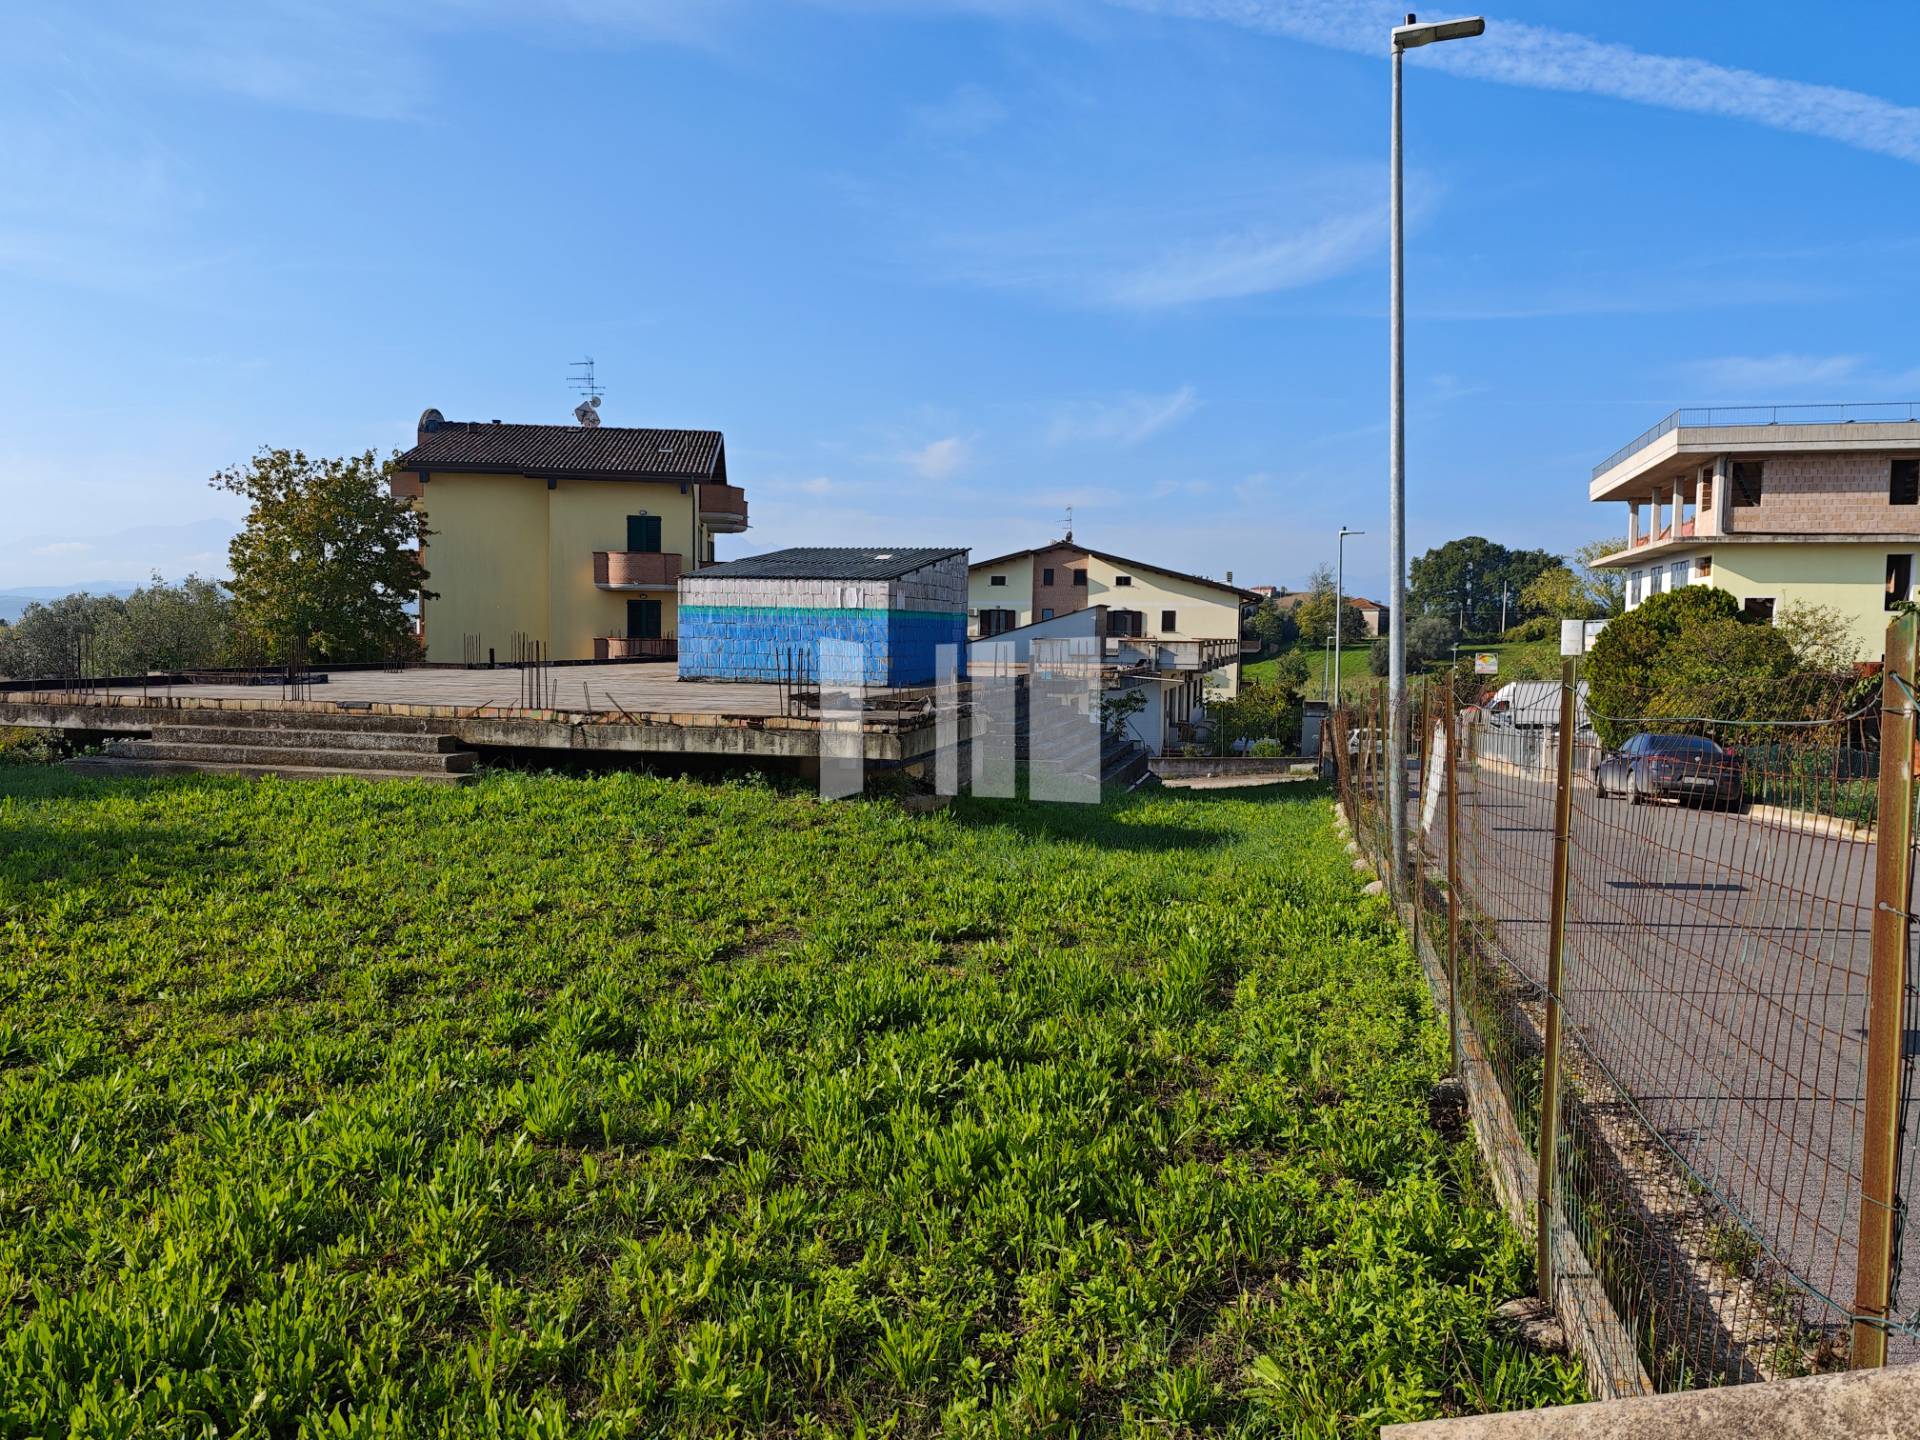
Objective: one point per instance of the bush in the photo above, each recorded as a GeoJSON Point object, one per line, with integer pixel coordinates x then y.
{"type": "Point", "coordinates": [1380, 658]}
{"type": "Point", "coordinates": [1540, 627]}
{"type": "Point", "coordinates": [1692, 653]}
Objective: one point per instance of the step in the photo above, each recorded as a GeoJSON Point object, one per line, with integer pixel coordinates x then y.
{"type": "Point", "coordinates": [188, 716]}
{"type": "Point", "coordinates": [300, 737]}
{"type": "Point", "coordinates": [110, 766]}
{"type": "Point", "coordinates": [294, 756]}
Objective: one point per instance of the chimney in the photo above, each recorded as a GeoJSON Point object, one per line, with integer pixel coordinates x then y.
{"type": "Point", "coordinates": [430, 421]}
{"type": "Point", "coordinates": [1229, 577]}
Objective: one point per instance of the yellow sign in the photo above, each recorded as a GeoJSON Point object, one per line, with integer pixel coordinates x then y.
{"type": "Point", "coordinates": [1486, 662]}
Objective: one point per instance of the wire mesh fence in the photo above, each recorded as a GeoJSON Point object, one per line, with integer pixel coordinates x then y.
{"type": "Point", "coordinates": [1733, 1141]}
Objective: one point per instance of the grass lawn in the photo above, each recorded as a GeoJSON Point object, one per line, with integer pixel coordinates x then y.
{"type": "Point", "coordinates": [1519, 660]}
{"type": "Point", "coordinates": [636, 1106]}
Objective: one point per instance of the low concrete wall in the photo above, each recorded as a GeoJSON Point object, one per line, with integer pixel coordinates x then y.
{"type": "Point", "coordinates": [1188, 767]}
{"type": "Point", "coordinates": [1869, 1404]}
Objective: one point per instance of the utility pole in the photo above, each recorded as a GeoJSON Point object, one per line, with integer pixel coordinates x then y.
{"type": "Point", "coordinates": [1404, 37]}
{"type": "Point", "coordinates": [1339, 599]}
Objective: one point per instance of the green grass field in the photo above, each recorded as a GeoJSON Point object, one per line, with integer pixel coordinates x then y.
{"type": "Point", "coordinates": [636, 1106]}
{"type": "Point", "coordinates": [1519, 660]}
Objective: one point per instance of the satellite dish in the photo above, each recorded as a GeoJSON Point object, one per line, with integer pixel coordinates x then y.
{"type": "Point", "coordinates": [586, 415]}
{"type": "Point", "coordinates": [594, 400]}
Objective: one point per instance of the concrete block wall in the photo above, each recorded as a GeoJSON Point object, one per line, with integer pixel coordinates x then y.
{"type": "Point", "coordinates": [740, 629]}
{"type": "Point", "coordinates": [1823, 493]}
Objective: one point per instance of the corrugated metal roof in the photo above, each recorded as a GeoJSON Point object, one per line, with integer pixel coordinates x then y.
{"type": "Point", "coordinates": [829, 562]}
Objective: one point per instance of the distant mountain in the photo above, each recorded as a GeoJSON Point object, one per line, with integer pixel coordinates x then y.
{"type": "Point", "coordinates": [13, 603]}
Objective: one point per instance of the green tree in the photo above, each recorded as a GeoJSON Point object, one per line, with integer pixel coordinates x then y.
{"type": "Point", "coordinates": [1608, 588]}
{"type": "Point", "coordinates": [1314, 615]}
{"type": "Point", "coordinates": [74, 635]}
{"type": "Point", "coordinates": [189, 626]}
{"type": "Point", "coordinates": [328, 560]}
{"type": "Point", "coordinates": [1464, 579]}
{"type": "Point", "coordinates": [1273, 627]}
{"type": "Point", "coordinates": [1693, 654]}
{"type": "Point", "coordinates": [1429, 640]}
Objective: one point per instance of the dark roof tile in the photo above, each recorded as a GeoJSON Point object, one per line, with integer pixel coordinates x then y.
{"type": "Point", "coordinates": [829, 562]}
{"type": "Point", "coordinates": [607, 450]}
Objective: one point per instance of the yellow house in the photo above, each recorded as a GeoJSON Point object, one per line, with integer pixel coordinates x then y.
{"type": "Point", "coordinates": [1182, 629]}
{"type": "Point", "coordinates": [574, 536]}
{"type": "Point", "coordinates": [1778, 505]}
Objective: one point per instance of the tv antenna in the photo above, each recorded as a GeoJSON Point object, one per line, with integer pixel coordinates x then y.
{"type": "Point", "coordinates": [583, 384]}
{"type": "Point", "coordinates": [1069, 522]}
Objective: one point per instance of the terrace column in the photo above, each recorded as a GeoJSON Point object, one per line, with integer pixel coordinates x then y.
{"type": "Point", "coordinates": [1633, 523]}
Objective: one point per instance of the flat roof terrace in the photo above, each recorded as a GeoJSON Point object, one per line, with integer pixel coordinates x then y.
{"type": "Point", "coordinates": [630, 708]}
{"type": "Point", "coordinates": [1687, 438]}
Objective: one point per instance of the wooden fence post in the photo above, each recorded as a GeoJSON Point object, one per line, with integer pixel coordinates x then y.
{"type": "Point", "coordinates": [1556, 945]}
{"type": "Point", "coordinates": [1886, 1000]}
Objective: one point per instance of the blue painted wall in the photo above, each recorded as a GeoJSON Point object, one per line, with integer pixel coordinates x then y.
{"type": "Point", "coordinates": [744, 642]}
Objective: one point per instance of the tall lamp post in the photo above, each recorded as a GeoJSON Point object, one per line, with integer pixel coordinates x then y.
{"type": "Point", "coordinates": [1340, 602]}
{"type": "Point", "coordinates": [1405, 37]}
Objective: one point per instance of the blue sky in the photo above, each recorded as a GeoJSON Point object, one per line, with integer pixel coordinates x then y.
{"type": "Point", "coordinates": [939, 270]}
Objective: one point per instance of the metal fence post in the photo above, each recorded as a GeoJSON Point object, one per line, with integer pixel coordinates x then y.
{"type": "Point", "coordinates": [1556, 944]}
{"type": "Point", "coordinates": [1886, 999]}
{"type": "Point", "coordinates": [1452, 762]}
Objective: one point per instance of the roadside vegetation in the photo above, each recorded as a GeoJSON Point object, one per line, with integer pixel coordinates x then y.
{"type": "Point", "coordinates": [635, 1106]}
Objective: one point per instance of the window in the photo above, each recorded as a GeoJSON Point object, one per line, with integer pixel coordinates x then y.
{"type": "Point", "coordinates": [1047, 614]}
{"type": "Point", "coordinates": [996, 622]}
{"type": "Point", "coordinates": [1123, 580]}
{"type": "Point", "coordinates": [1899, 579]}
{"type": "Point", "coordinates": [1703, 567]}
{"type": "Point", "coordinates": [643, 533]}
{"type": "Point", "coordinates": [1167, 622]}
{"type": "Point", "coordinates": [1126, 622]}
{"type": "Point", "coordinates": [1677, 574]}
{"type": "Point", "coordinates": [1046, 576]}
{"type": "Point", "coordinates": [996, 580]}
{"type": "Point", "coordinates": [1759, 607]}
{"type": "Point", "coordinates": [1080, 578]}
{"type": "Point", "coordinates": [1746, 483]}
{"type": "Point", "coordinates": [1903, 484]}
{"type": "Point", "coordinates": [1633, 589]}
{"type": "Point", "coordinates": [1706, 492]}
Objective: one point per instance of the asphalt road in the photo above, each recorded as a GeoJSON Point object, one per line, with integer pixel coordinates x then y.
{"type": "Point", "coordinates": [1716, 965]}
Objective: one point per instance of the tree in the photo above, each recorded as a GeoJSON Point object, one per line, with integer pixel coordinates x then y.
{"type": "Point", "coordinates": [1273, 627]}
{"type": "Point", "coordinates": [1314, 615]}
{"type": "Point", "coordinates": [188, 626]}
{"type": "Point", "coordinates": [1262, 711]}
{"type": "Point", "coordinates": [1463, 580]}
{"type": "Point", "coordinates": [328, 560]}
{"type": "Point", "coordinates": [1429, 640]}
{"type": "Point", "coordinates": [1608, 588]}
{"type": "Point", "coordinates": [65, 637]}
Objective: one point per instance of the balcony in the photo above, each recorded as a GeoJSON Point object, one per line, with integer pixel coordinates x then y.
{"type": "Point", "coordinates": [723, 508]}
{"type": "Point", "coordinates": [621, 647]}
{"type": "Point", "coordinates": [1171, 654]}
{"type": "Point", "coordinates": [635, 570]}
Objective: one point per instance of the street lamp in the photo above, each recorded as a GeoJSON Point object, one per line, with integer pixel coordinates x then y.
{"type": "Point", "coordinates": [1405, 37]}
{"type": "Point", "coordinates": [1339, 601]}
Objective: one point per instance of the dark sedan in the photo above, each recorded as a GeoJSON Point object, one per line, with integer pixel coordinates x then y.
{"type": "Point", "coordinates": [1671, 767]}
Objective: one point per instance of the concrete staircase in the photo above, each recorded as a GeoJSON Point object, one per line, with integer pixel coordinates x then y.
{"type": "Point", "coordinates": [372, 747]}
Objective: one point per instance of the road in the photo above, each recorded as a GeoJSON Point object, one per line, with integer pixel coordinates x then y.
{"type": "Point", "coordinates": [1716, 965]}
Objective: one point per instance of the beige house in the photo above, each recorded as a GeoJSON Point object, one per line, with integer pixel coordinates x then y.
{"type": "Point", "coordinates": [1177, 623]}
{"type": "Point", "coordinates": [1787, 505]}
{"type": "Point", "coordinates": [571, 536]}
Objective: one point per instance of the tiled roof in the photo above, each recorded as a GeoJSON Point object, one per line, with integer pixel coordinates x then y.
{"type": "Point", "coordinates": [610, 450]}
{"type": "Point", "coordinates": [1119, 561]}
{"type": "Point", "coordinates": [829, 562]}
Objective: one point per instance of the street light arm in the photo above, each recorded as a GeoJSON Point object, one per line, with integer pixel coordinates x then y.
{"type": "Point", "coordinates": [1410, 36]}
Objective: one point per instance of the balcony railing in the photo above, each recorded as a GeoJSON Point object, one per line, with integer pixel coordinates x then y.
{"type": "Point", "coordinates": [1887, 412]}
{"type": "Point", "coordinates": [635, 570]}
{"type": "Point", "coordinates": [723, 507]}
{"type": "Point", "coordinates": [1172, 654]}
{"type": "Point", "coordinates": [620, 647]}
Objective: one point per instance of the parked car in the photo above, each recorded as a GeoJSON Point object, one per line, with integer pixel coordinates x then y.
{"type": "Point", "coordinates": [1671, 767]}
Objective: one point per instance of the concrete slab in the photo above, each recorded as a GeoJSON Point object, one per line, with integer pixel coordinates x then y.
{"type": "Point", "coordinates": [1853, 1405]}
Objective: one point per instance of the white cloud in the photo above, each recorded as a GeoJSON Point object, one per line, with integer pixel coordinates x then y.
{"type": "Point", "coordinates": [818, 485]}
{"type": "Point", "coordinates": [62, 547]}
{"type": "Point", "coordinates": [1514, 53]}
{"type": "Point", "coordinates": [940, 460]}
{"type": "Point", "coordinates": [1253, 262]}
{"type": "Point", "coordinates": [1761, 376]}
{"type": "Point", "coordinates": [1124, 420]}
